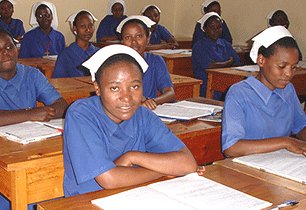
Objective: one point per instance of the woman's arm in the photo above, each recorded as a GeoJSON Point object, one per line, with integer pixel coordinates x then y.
{"type": "Point", "coordinates": [168, 95]}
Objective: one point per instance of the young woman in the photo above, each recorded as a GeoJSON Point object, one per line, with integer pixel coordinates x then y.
{"type": "Point", "coordinates": [117, 137]}
{"type": "Point", "coordinates": [135, 33]}
{"type": "Point", "coordinates": [212, 51]}
{"type": "Point", "coordinates": [160, 38]}
{"type": "Point", "coordinates": [278, 18]}
{"type": "Point", "coordinates": [43, 40]}
{"type": "Point", "coordinates": [68, 63]}
{"type": "Point", "coordinates": [107, 27]}
{"type": "Point", "coordinates": [262, 113]}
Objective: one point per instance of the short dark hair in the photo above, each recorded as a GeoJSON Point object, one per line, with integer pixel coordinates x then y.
{"type": "Point", "coordinates": [5, 32]}
{"type": "Point", "coordinates": [210, 19]}
{"type": "Point", "coordinates": [8, 2]}
{"type": "Point", "coordinates": [116, 59]}
{"type": "Point", "coordinates": [149, 8]}
{"type": "Point", "coordinates": [77, 17]}
{"type": "Point", "coordinates": [137, 21]}
{"type": "Point", "coordinates": [207, 9]}
{"type": "Point", "coordinates": [42, 6]}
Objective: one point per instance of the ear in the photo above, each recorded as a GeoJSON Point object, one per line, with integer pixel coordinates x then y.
{"type": "Point", "coordinates": [74, 30]}
{"type": "Point", "coordinates": [97, 89]}
{"type": "Point", "coordinates": [260, 60]}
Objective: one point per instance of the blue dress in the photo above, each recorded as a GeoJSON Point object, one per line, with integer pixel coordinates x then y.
{"type": "Point", "coordinates": [108, 26]}
{"type": "Point", "coordinates": [36, 43]}
{"type": "Point", "coordinates": [160, 34]}
{"type": "Point", "coordinates": [92, 142]}
{"type": "Point", "coordinates": [68, 63]}
{"type": "Point", "coordinates": [252, 111]}
{"type": "Point", "coordinates": [157, 77]}
{"type": "Point", "coordinates": [15, 27]}
{"type": "Point", "coordinates": [204, 52]}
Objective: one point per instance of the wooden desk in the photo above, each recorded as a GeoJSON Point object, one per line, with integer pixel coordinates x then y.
{"type": "Point", "coordinates": [221, 80]}
{"type": "Point", "coordinates": [242, 182]}
{"type": "Point", "coordinates": [46, 66]}
{"type": "Point", "coordinates": [184, 42]}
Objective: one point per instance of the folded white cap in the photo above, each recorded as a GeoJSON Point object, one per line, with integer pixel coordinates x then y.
{"type": "Point", "coordinates": [112, 2]}
{"type": "Point", "coordinates": [206, 4]}
{"type": "Point", "coordinates": [146, 7]}
{"type": "Point", "coordinates": [147, 21]}
{"type": "Point", "coordinates": [206, 16]}
{"type": "Point", "coordinates": [33, 21]}
{"type": "Point", "coordinates": [71, 18]}
{"type": "Point", "coordinates": [267, 38]}
{"type": "Point", "coordinates": [12, 1]}
{"type": "Point", "coordinates": [95, 61]}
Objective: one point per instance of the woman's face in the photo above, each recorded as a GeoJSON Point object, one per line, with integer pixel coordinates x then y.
{"type": "Point", "coordinates": [153, 14]}
{"type": "Point", "coordinates": [117, 10]}
{"type": "Point", "coordinates": [213, 29]}
{"type": "Point", "coordinates": [8, 56]}
{"type": "Point", "coordinates": [44, 17]}
{"type": "Point", "coordinates": [6, 9]}
{"type": "Point", "coordinates": [84, 27]}
{"type": "Point", "coordinates": [277, 70]}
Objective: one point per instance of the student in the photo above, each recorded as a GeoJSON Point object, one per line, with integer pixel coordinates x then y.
{"type": "Point", "coordinates": [68, 63]}
{"type": "Point", "coordinates": [122, 143]}
{"type": "Point", "coordinates": [278, 18]}
{"type": "Point", "coordinates": [135, 33]}
{"type": "Point", "coordinates": [14, 26]}
{"type": "Point", "coordinates": [212, 51]}
{"type": "Point", "coordinates": [262, 113]}
{"type": "Point", "coordinates": [211, 6]}
{"type": "Point", "coordinates": [43, 40]}
{"type": "Point", "coordinates": [160, 38]}
{"type": "Point", "coordinates": [107, 27]}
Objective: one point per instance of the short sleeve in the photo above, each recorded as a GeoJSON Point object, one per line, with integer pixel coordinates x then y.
{"type": "Point", "coordinates": [299, 121]}
{"type": "Point", "coordinates": [163, 76]}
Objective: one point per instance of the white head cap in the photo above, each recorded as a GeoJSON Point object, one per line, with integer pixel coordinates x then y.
{"type": "Point", "coordinates": [51, 6]}
{"type": "Point", "coordinates": [146, 7]}
{"type": "Point", "coordinates": [267, 38]}
{"type": "Point", "coordinates": [112, 2]}
{"type": "Point", "coordinates": [206, 4]}
{"type": "Point", "coordinates": [95, 61]}
{"type": "Point", "coordinates": [71, 18]}
{"type": "Point", "coordinates": [269, 16]}
{"type": "Point", "coordinates": [147, 21]}
{"type": "Point", "coordinates": [206, 16]}
{"type": "Point", "coordinates": [12, 1]}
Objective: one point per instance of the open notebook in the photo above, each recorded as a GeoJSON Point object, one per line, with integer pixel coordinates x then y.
{"type": "Point", "coordinates": [249, 68]}
{"type": "Point", "coordinates": [29, 131]}
{"type": "Point", "coordinates": [184, 193]}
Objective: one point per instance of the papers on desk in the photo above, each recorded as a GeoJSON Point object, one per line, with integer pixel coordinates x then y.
{"type": "Point", "coordinates": [282, 163]}
{"type": "Point", "coordinates": [29, 131]}
{"type": "Point", "coordinates": [51, 57]}
{"type": "Point", "coordinates": [302, 64]}
{"type": "Point", "coordinates": [249, 68]}
{"type": "Point", "coordinates": [175, 51]}
{"type": "Point", "coordinates": [183, 193]}
{"type": "Point", "coordinates": [186, 110]}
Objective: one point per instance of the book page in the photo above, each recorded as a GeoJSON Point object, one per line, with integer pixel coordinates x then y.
{"type": "Point", "coordinates": [195, 105]}
{"type": "Point", "coordinates": [175, 51]}
{"type": "Point", "coordinates": [55, 123]}
{"type": "Point", "coordinates": [249, 68]}
{"type": "Point", "coordinates": [282, 163]}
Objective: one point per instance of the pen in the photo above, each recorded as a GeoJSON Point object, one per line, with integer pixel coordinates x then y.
{"type": "Point", "coordinates": [285, 204]}
{"type": "Point", "coordinates": [12, 135]}
{"type": "Point", "coordinates": [50, 126]}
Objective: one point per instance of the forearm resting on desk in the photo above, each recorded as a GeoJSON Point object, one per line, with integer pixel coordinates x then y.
{"type": "Point", "coordinates": [302, 134]}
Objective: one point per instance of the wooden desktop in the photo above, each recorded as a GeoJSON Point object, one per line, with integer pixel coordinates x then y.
{"type": "Point", "coordinates": [46, 66]}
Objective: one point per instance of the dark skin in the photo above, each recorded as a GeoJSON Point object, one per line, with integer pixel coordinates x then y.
{"type": "Point", "coordinates": [83, 29]}
{"type": "Point", "coordinates": [44, 19]}
{"type": "Point", "coordinates": [8, 61]}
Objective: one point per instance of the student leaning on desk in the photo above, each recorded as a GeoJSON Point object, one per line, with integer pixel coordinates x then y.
{"type": "Point", "coordinates": [261, 113]}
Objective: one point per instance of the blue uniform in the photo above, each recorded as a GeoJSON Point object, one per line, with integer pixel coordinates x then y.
{"type": "Point", "coordinates": [252, 111]}
{"type": "Point", "coordinates": [157, 77]}
{"type": "Point", "coordinates": [204, 52]}
{"type": "Point", "coordinates": [68, 63]}
{"type": "Point", "coordinates": [36, 43]}
{"type": "Point", "coordinates": [92, 142]}
{"type": "Point", "coordinates": [160, 34]}
{"type": "Point", "coordinates": [15, 27]}
{"type": "Point", "coordinates": [199, 33]}
{"type": "Point", "coordinates": [108, 26]}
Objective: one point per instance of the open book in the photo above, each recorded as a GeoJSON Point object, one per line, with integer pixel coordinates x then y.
{"type": "Point", "coordinates": [186, 110]}
{"type": "Point", "coordinates": [184, 193]}
{"type": "Point", "coordinates": [282, 163]}
{"type": "Point", "coordinates": [175, 51]}
{"type": "Point", "coordinates": [249, 68]}
{"type": "Point", "coordinates": [29, 131]}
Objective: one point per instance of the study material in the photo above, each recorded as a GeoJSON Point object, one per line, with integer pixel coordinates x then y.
{"type": "Point", "coordinates": [186, 110]}
{"type": "Point", "coordinates": [51, 57]}
{"type": "Point", "coordinates": [212, 118]}
{"type": "Point", "coordinates": [249, 68]}
{"type": "Point", "coordinates": [282, 163]}
{"type": "Point", "coordinates": [184, 193]}
{"type": "Point", "coordinates": [302, 64]}
{"type": "Point", "coordinates": [175, 51]}
{"type": "Point", "coordinates": [285, 204]}
{"type": "Point", "coordinates": [29, 131]}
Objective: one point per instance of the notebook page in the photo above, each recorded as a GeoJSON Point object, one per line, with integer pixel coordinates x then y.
{"type": "Point", "coordinates": [249, 68]}
{"type": "Point", "coordinates": [195, 105]}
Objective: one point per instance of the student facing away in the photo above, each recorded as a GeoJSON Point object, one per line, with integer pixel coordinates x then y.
{"type": "Point", "coordinates": [262, 113]}
{"type": "Point", "coordinates": [12, 25]}
{"type": "Point", "coordinates": [135, 33]}
{"type": "Point", "coordinates": [121, 142]}
{"type": "Point", "coordinates": [68, 63]}
{"type": "Point", "coordinates": [43, 39]}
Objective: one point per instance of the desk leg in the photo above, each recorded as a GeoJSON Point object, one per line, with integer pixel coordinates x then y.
{"type": "Point", "coordinates": [209, 90]}
{"type": "Point", "coordinates": [196, 91]}
{"type": "Point", "coordinates": [19, 190]}
{"type": "Point", "coordinates": [170, 64]}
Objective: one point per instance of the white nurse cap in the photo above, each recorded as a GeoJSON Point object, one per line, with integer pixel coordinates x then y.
{"type": "Point", "coordinates": [71, 18]}
{"type": "Point", "coordinates": [267, 38]}
{"type": "Point", "coordinates": [12, 1]}
{"type": "Point", "coordinates": [95, 61]}
{"type": "Point", "coordinates": [206, 16]}
{"type": "Point", "coordinates": [147, 21]}
{"type": "Point", "coordinates": [51, 6]}
{"type": "Point", "coordinates": [206, 4]}
{"type": "Point", "coordinates": [112, 2]}
{"type": "Point", "coordinates": [150, 5]}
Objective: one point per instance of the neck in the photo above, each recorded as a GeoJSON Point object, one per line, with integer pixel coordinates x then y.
{"type": "Point", "coordinates": [82, 44]}
{"type": "Point", "coordinates": [7, 75]}
{"type": "Point", "coordinates": [46, 30]}
{"type": "Point", "coordinates": [7, 20]}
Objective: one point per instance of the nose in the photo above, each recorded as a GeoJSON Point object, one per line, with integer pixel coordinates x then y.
{"type": "Point", "coordinates": [125, 96]}
{"type": "Point", "coordinates": [289, 72]}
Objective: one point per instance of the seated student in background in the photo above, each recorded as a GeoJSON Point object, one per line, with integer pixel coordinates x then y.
{"type": "Point", "coordinates": [122, 143]}
{"type": "Point", "coordinates": [14, 26]}
{"type": "Point", "coordinates": [43, 39]}
{"type": "Point", "coordinates": [160, 38]}
{"type": "Point", "coordinates": [212, 51]}
{"type": "Point", "coordinates": [211, 6]}
{"type": "Point", "coordinates": [135, 33]}
{"type": "Point", "coordinates": [107, 27]}
{"type": "Point", "coordinates": [262, 113]}
{"type": "Point", "coordinates": [278, 18]}
{"type": "Point", "coordinates": [68, 63]}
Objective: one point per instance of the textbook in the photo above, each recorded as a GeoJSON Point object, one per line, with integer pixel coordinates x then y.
{"type": "Point", "coordinates": [189, 192]}
{"type": "Point", "coordinates": [249, 68]}
{"type": "Point", "coordinates": [282, 163]}
{"type": "Point", "coordinates": [29, 131]}
{"type": "Point", "coordinates": [175, 51]}
{"type": "Point", "coordinates": [50, 57]}
{"type": "Point", "coordinates": [186, 110]}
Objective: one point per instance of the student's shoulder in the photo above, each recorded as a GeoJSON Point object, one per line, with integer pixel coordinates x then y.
{"type": "Point", "coordinates": [85, 105]}
{"type": "Point", "coordinates": [151, 57]}
{"type": "Point", "coordinates": [17, 21]}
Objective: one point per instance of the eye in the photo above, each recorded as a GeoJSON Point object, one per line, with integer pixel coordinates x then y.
{"type": "Point", "coordinates": [126, 37]}
{"type": "Point", "coordinates": [10, 47]}
{"type": "Point", "coordinates": [135, 87]}
{"type": "Point", "coordinates": [114, 89]}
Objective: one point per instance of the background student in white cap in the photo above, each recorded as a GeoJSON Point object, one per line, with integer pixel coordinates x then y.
{"type": "Point", "coordinates": [261, 113]}
{"type": "Point", "coordinates": [68, 63]}
{"type": "Point", "coordinates": [278, 18]}
{"type": "Point", "coordinates": [110, 136]}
